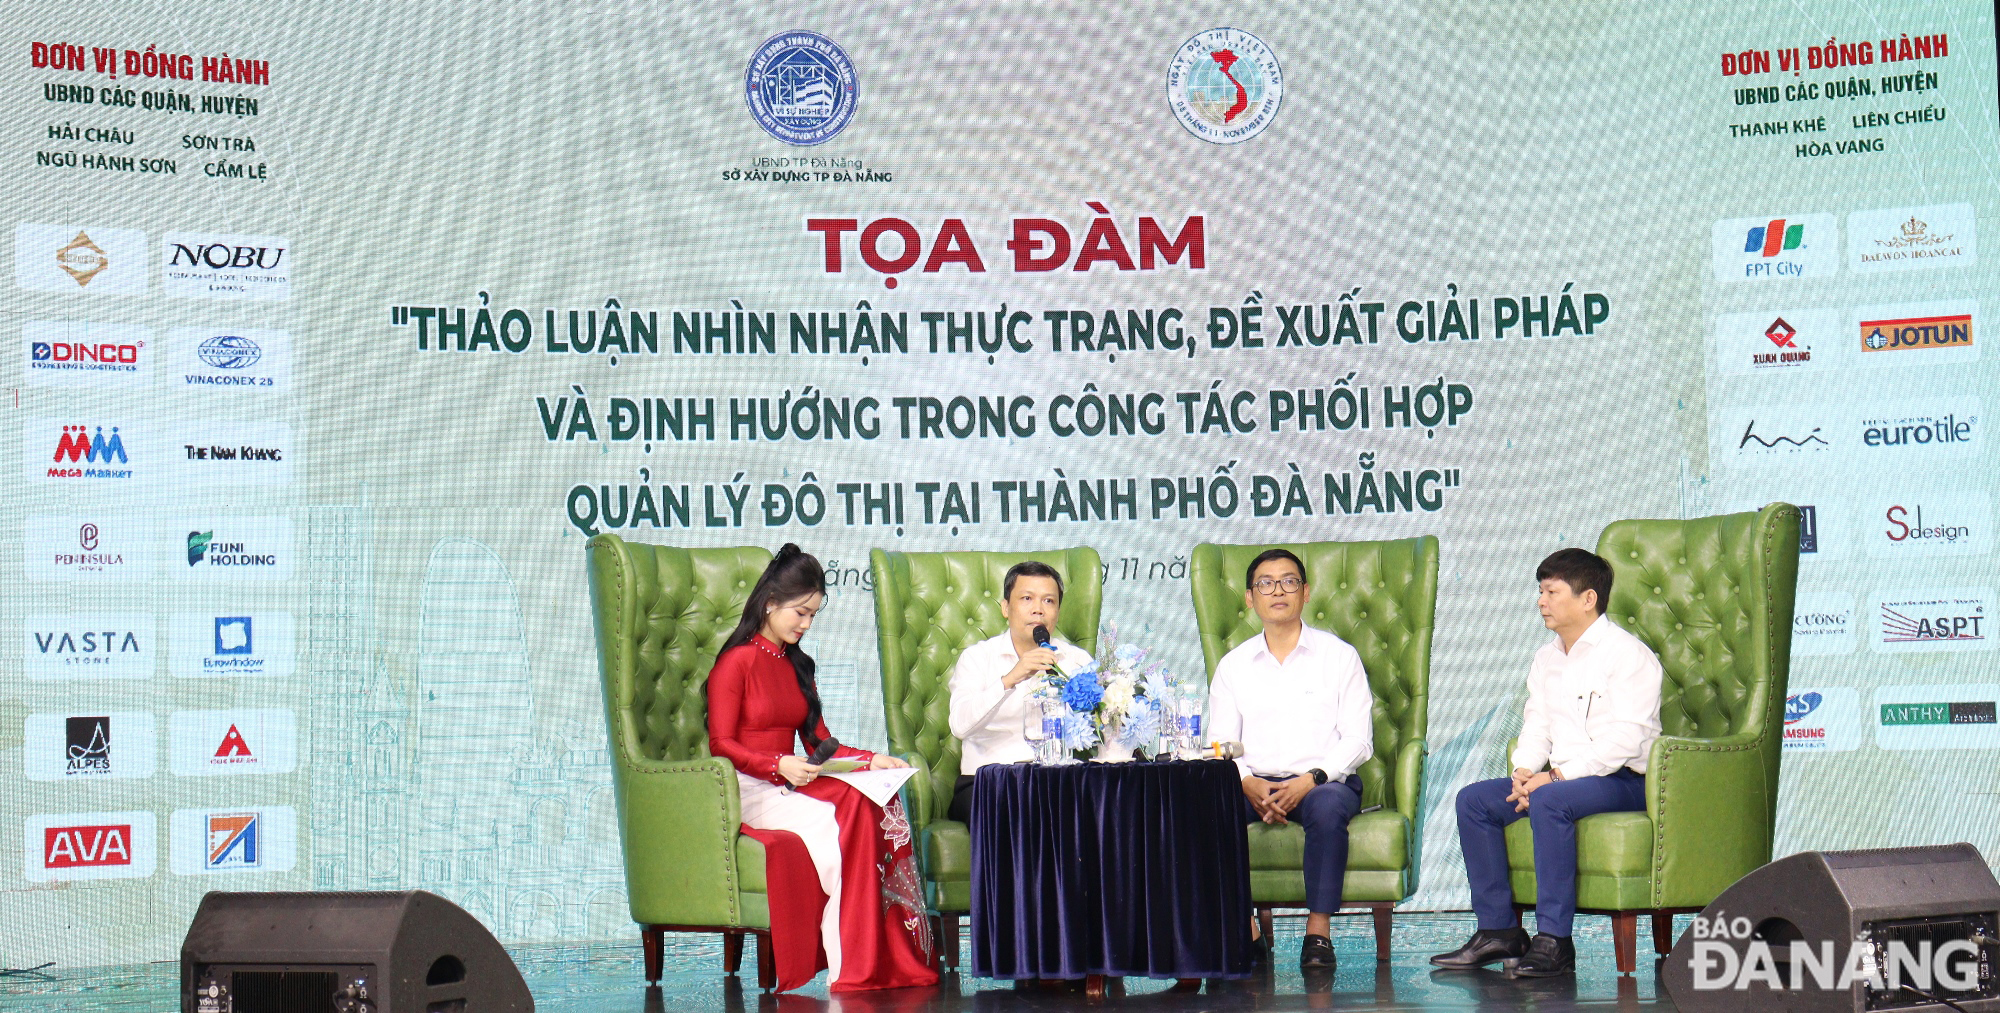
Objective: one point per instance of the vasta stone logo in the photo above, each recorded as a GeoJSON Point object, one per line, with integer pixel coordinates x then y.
{"type": "Point", "coordinates": [891, 246]}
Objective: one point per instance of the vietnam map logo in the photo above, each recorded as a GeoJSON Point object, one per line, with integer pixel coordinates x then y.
{"type": "Point", "coordinates": [1225, 85]}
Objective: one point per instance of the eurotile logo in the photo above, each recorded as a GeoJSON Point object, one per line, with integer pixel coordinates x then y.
{"type": "Point", "coordinates": [114, 544]}
{"type": "Point", "coordinates": [209, 743]}
{"type": "Point", "coordinates": [254, 839]}
{"type": "Point", "coordinates": [1824, 623]}
{"type": "Point", "coordinates": [78, 353]}
{"type": "Point", "coordinates": [1910, 239]}
{"type": "Point", "coordinates": [1823, 720]}
{"type": "Point", "coordinates": [206, 265]}
{"type": "Point", "coordinates": [1961, 716]}
{"type": "Point", "coordinates": [230, 362]}
{"type": "Point", "coordinates": [1938, 524]}
{"type": "Point", "coordinates": [80, 846]}
{"type": "Point", "coordinates": [207, 645]}
{"type": "Point", "coordinates": [1775, 341]}
{"type": "Point", "coordinates": [80, 259]}
{"type": "Point", "coordinates": [1944, 427]}
{"type": "Point", "coordinates": [89, 746]}
{"type": "Point", "coordinates": [88, 645]}
{"type": "Point", "coordinates": [1950, 619]}
{"type": "Point", "coordinates": [1775, 247]}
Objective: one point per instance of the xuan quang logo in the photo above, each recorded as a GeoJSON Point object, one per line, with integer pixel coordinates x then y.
{"type": "Point", "coordinates": [801, 88]}
{"type": "Point", "coordinates": [1225, 86]}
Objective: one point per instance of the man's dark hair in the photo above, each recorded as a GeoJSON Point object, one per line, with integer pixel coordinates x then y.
{"type": "Point", "coordinates": [1582, 571]}
{"type": "Point", "coordinates": [1030, 568]}
{"type": "Point", "coordinates": [1250, 575]}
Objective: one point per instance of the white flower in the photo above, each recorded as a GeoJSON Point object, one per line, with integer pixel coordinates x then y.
{"type": "Point", "coordinates": [1118, 697]}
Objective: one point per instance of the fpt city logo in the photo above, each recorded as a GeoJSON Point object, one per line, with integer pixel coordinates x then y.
{"type": "Point", "coordinates": [80, 259]}
{"type": "Point", "coordinates": [1773, 238]}
{"type": "Point", "coordinates": [1779, 246]}
{"type": "Point", "coordinates": [1225, 85]}
{"type": "Point", "coordinates": [801, 88]}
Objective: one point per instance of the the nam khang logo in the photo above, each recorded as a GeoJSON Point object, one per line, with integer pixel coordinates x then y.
{"type": "Point", "coordinates": [88, 646]}
{"type": "Point", "coordinates": [1225, 86]}
{"type": "Point", "coordinates": [109, 546]}
{"type": "Point", "coordinates": [248, 548]}
{"type": "Point", "coordinates": [1905, 239]}
{"type": "Point", "coordinates": [1963, 716]}
{"type": "Point", "coordinates": [230, 360]}
{"type": "Point", "coordinates": [801, 88]}
{"type": "Point", "coordinates": [72, 846]}
{"type": "Point", "coordinates": [206, 743]}
{"type": "Point", "coordinates": [236, 454]}
{"type": "Point", "coordinates": [85, 452]}
{"type": "Point", "coordinates": [91, 746]}
{"type": "Point", "coordinates": [1776, 247]}
{"type": "Point", "coordinates": [80, 259]}
{"type": "Point", "coordinates": [200, 265]}
{"type": "Point", "coordinates": [241, 644]}
{"type": "Point", "coordinates": [75, 353]}
{"type": "Point", "coordinates": [244, 839]}
{"type": "Point", "coordinates": [1944, 620]}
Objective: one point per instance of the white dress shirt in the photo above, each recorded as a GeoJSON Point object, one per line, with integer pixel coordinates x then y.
{"type": "Point", "coordinates": [1594, 709]}
{"type": "Point", "coordinates": [1311, 710]}
{"type": "Point", "coordinates": [985, 715]}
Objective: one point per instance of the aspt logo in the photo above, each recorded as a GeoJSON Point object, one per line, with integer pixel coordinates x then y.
{"type": "Point", "coordinates": [1776, 247]}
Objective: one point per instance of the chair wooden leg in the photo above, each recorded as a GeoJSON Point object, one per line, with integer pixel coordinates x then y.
{"type": "Point", "coordinates": [1625, 940]}
{"type": "Point", "coordinates": [652, 940]}
{"type": "Point", "coordinates": [767, 962]}
{"type": "Point", "coordinates": [1384, 921]}
{"type": "Point", "coordinates": [948, 939]}
{"type": "Point", "coordinates": [732, 952]}
{"type": "Point", "coordinates": [1663, 931]}
{"type": "Point", "coordinates": [1264, 925]}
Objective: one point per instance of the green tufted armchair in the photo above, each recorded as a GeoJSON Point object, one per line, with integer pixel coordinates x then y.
{"type": "Point", "coordinates": [1380, 597]}
{"type": "Point", "coordinates": [929, 606]}
{"type": "Point", "coordinates": [1713, 598]}
{"type": "Point", "coordinates": [661, 615]}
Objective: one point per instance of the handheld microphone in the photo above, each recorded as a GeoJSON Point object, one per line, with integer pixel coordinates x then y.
{"type": "Point", "coordinates": [824, 751]}
{"type": "Point", "coordinates": [1225, 750]}
{"type": "Point", "coordinates": [1040, 634]}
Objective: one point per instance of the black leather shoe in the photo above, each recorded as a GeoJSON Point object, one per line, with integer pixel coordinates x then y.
{"type": "Point", "coordinates": [1317, 951]}
{"type": "Point", "coordinates": [1547, 957]}
{"type": "Point", "coordinates": [1485, 947]}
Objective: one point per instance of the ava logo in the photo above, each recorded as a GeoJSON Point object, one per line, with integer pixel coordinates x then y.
{"type": "Point", "coordinates": [1225, 86]}
{"type": "Point", "coordinates": [1799, 705]}
{"type": "Point", "coordinates": [87, 847]}
{"type": "Point", "coordinates": [1774, 238]}
{"type": "Point", "coordinates": [1779, 440]}
{"type": "Point", "coordinates": [233, 748]}
{"type": "Point", "coordinates": [82, 259]}
{"type": "Point", "coordinates": [86, 537]}
{"type": "Point", "coordinates": [197, 545]}
{"type": "Point", "coordinates": [88, 747]}
{"type": "Point", "coordinates": [232, 636]}
{"type": "Point", "coordinates": [230, 351]}
{"type": "Point", "coordinates": [233, 840]}
{"type": "Point", "coordinates": [1953, 331]}
{"type": "Point", "coordinates": [801, 88]}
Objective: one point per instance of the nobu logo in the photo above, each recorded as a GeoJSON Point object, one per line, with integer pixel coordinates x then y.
{"type": "Point", "coordinates": [223, 255]}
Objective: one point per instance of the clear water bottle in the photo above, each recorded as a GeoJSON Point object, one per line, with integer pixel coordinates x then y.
{"type": "Point", "coordinates": [1187, 726]}
{"type": "Point", "coordinates": [1042, 726]}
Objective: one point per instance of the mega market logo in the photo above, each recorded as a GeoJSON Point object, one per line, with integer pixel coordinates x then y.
{"type": "Point", "coordinates": [1225, 86]}
{"type": "Point", "coordinates": [1949, 331]}
{"type": "Point", "coordinates": [87, 749]}
{"type": "Point", "coordinates": [234, 842]}
{"type": "Point", "coordinates": [87, 452]}
{"type": "Point", "coordinates": [801, 88]}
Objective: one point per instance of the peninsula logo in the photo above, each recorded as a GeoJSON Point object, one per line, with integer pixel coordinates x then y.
{"type": "Point", "coordinates": [1950, 620]}
{"type": "Point", "coordinates": [109, 547]}
{"type": "Point", "coordinates": [79, 747]}
{"type": "Point", "coordinates": [80, 259]}
{"type": "Point", "coordinates": [243, 839]}
{"type": "Point", "coordinates": [801, 88]}
{"type": "Point", "coordinates": [208, 743]}
{"type": "Point", "coordinates": [1776, 247]}
{"type": "Point", "coordinates": [1770, 341]}
{"type": "Point", "coordinates": [230, 360]}
{"type": "Point", "coordinates": [76, 846]}
{"type": "Point", "coordinates": [88, 646]}
{"type": "Point", "coordinates": [1936, 525]}
{"type": "Point", "coordinates": [1906, 239]}
{"type": "Point", "coordinates": [207, 645]}
{"type": "Point", "coordinates": [66, 353]}
{"type": "Point", "coordinates": [201, 265]}
{"type": "Point", "coordinates": [1959, 716]}
{"type": "Point", "coordinates": [1224, 86]}
{"type": "Point", "coordinates": [243, 548]}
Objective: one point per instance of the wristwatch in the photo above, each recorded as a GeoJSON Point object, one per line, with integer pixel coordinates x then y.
{"type": "Point", "coordinates": [1318, 775]}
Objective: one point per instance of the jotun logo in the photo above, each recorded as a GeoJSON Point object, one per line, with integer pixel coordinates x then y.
{"type": "Point", "coordinates": [1953, 331]}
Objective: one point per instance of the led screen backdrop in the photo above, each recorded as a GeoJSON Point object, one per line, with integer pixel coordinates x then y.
{"type": "Point", "coordinates": [335, 329]}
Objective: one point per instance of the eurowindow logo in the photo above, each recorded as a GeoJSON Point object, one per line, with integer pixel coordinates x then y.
{"type": "Point", "coordinates": [1774, 238]}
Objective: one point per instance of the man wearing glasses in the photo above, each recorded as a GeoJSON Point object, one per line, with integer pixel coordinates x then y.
{"type": "Point", "coordinates": [1298, 700]}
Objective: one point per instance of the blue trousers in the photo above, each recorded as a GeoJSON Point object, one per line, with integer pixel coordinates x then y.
{"type": "Point", "coordinates": [1324, 814]}
{"type": "Point", "coordinates": [1554, 808]}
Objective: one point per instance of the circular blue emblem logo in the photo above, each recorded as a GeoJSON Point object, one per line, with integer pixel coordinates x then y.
{"type": "Point", "coordinates": [1224, 85]}
{"type": "Point", "coordinates": [801, 88]}
{"type": "Point", "coordinates": [228, 351]}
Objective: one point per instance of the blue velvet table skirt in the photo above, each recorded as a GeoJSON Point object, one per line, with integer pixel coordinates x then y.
{"type": "Point", "coordinates": [1110, 868]}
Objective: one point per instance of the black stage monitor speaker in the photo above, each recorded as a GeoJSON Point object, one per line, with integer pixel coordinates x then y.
{"type": "Point", "coordinates": [1853, 931]}
{"type": "Point", "coordinates": [411, 952]}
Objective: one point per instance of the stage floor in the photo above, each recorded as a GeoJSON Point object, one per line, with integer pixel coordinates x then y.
{"type": "Point", "coordinates": [606, 978]}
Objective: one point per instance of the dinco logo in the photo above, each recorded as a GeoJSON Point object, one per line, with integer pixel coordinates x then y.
{"type": "Point", "coordinates": [216, 266]}
{"type": "Point", "coordinates": [75, 353]}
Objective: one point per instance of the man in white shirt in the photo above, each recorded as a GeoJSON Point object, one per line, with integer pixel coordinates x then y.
{"type": "Point", "coordinates": [1592, 715]}
{"type": "Point", "coordinates": [1298, 700]}
{"type": "Point", "coordinates": [988, 700]}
